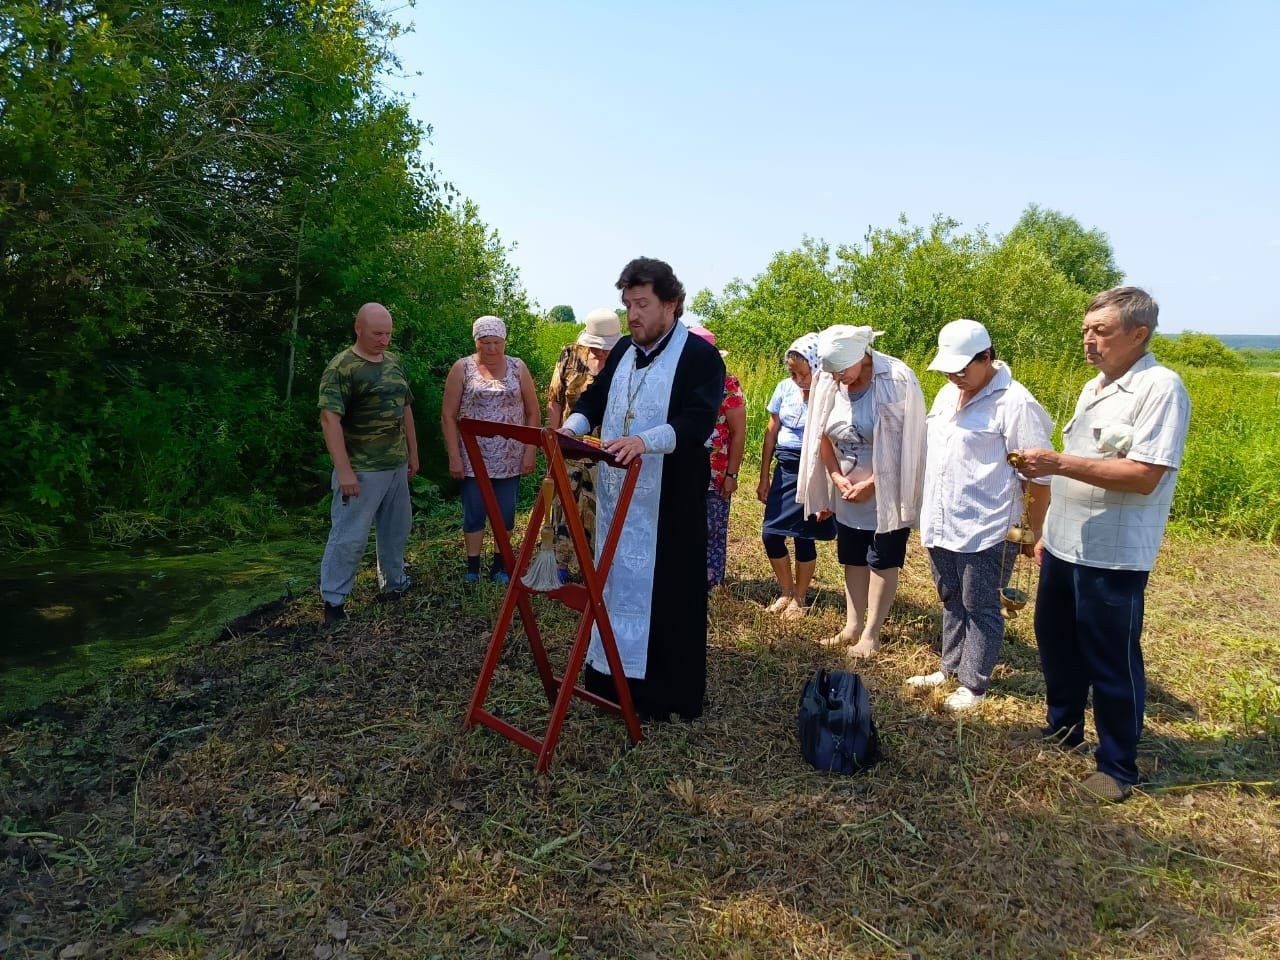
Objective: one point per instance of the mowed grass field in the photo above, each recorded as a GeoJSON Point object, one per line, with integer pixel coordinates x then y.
{"type": "Point", "coordinates": [288, 793]}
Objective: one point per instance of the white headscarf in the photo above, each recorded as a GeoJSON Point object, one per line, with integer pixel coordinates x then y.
{"type": "Point", "coordinates": [842, 346]}
{"type": "Point", "coordinates": [488, 326]}
{"type": "Point", "coordinates": [807, 347]}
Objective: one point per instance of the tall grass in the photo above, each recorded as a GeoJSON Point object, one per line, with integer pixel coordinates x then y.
{"type": "Point", "coordinates": [1229, 482]}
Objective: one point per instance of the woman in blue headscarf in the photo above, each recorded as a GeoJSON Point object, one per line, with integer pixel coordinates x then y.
{"type": "Point", "coordinates": [783, 516]}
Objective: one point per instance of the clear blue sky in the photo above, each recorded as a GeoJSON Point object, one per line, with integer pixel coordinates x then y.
{"type": "Point", "coordinates": [714, 134]}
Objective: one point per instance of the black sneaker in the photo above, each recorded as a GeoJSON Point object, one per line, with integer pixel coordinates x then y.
{"type": "Point", "coordinates": [334, 613]}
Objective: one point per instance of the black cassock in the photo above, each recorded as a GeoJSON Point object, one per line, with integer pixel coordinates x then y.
{"type": "Point", "coordinates": [675, 679]}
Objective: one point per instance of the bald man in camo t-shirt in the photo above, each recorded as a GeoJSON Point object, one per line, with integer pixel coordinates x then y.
{"type": "Point", "coordinates": [366, 413]}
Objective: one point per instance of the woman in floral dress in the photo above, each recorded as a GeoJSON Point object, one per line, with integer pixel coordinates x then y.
{"type": "Point", "coordinates": [727, 442]}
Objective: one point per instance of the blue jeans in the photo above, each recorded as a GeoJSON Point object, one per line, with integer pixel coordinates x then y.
{"type": "Point", "coordinates": [384, 499]}
{"type": "Point", "coordinates": [1088, 628]}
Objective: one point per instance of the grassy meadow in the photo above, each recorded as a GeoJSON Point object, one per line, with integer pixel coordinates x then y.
{"type": "Point", "coordinates": [283, 792]}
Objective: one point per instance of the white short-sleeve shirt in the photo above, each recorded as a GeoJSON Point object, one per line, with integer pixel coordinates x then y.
{"type": "Point", "coordinates": [971, 494]}
{"type": "Point", "coordinates": [1143, 415]}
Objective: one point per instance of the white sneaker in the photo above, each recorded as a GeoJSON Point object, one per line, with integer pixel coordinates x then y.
{"type": "Point", "coordinates": [927, 681]}
{"type": "Point", "coordinates": [963, 699]}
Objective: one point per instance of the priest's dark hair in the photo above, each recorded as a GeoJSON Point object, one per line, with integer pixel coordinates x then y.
{"type": "Point", "coordinates": [644, 270]}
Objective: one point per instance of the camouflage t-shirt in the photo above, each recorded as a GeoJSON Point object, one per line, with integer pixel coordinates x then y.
{"type": "Point", "coordinates": [370, 398]}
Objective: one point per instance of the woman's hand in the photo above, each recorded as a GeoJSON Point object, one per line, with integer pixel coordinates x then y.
{"type": "Point", "coordinates": [844, 486]}
{"type": "Point", "coordinates": [862, 491]}
{"type": "Point", "coordinates": [729, 487]}
{"type": "Point", "coordinates": [762, 490]}
{"type": "Point", "coordinates": [455, 467]}
{"type": "Point", "coordinates": [529, 462]}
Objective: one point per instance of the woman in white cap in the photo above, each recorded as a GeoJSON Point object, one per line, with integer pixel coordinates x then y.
{"type": "Point", "coordinates": [971, 498]}
{"type": "Point", "coordinates": [783, 516]}
{"type": "Point", "coordinates": [488, 385]}
{"type": "Point", "coordinates": [577, 366]}
{"type": "Point", "coordinates": [864, 462]}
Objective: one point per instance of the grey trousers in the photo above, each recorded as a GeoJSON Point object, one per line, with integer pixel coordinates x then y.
{"type": "Point", "coordinates": [384, 498]}
{"type": "Point", "coordinates": [972, 627]}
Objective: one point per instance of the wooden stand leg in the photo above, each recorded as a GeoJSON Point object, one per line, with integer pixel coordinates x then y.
{"type": "Point", "coordinates": [559, 690]}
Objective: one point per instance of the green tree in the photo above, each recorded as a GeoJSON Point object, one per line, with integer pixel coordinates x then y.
{"type": "Point", "coordinates": [907, 281]}
{"type": "Point", "coordinates": [798, 291]}
{"type": "Point", "coordinates": [195, 200]}
{"type": "Point", "coordinates": [563, 313]}
{"type": "Point", "coordinates": [1084, 256]}
{"type": "Point", "coordinates": [1196, 350]}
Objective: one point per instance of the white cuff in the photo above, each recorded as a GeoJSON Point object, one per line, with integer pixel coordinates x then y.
{"type": "Point", "coordinates": [578, 424]}
{"type": "Point", "coordinates": [659, 439]}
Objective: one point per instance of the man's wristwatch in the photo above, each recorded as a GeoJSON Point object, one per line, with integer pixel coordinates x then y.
{"type": "Point", "coordinates": [731, 474]}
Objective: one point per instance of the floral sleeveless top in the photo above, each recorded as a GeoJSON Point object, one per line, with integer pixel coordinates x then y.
{"type": "Point", "coordinates": [487, 399]}
{"type": "Point", "coordinates": [718, 443]}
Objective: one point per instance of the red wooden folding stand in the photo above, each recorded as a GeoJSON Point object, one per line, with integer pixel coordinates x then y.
{"type": "Point", "coordinates": [587, 597]}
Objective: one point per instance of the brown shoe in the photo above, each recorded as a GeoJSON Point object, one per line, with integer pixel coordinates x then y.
{"type": "Point", "coordinates": [1103, 786]}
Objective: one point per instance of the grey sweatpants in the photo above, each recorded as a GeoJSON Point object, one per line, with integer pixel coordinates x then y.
{"type": "Point", "coordinates": [384, 497]}
{"type": "Point", "coordinates": [972, 627]}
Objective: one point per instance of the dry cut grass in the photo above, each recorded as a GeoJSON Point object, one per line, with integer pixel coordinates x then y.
{"type": "Point", "coordinates": [286, 793]}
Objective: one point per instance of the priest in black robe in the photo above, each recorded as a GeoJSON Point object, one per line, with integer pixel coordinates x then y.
{"type": "Point", "coordinates": [656, 398]}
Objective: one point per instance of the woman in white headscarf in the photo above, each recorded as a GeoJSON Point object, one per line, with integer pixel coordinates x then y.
{"type": "Point", "coordinates": [783, 516]}
{"type": "Point", "coordinates": [488, 385]}
{"type": "Point", "coordinates": [863, 461]}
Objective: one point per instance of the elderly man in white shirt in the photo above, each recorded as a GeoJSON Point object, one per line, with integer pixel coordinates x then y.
{"type": "Point", "coordinates": [972, 496]}
{"type": "Point", "coordinates": [1112, 488]}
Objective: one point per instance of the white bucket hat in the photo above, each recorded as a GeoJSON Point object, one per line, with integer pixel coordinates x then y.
{"type": "Point", "coordinates": [602, 330]}
{"type": "Point", "coordinates": [958, 343]}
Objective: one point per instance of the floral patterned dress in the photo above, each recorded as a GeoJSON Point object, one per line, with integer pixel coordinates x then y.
{"type": "Point", "coordinates": [717, 502]}
{"type": "Point", "coordinates": [484, 398]}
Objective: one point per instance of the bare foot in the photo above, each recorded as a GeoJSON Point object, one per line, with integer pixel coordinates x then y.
{"type": "Point", "coordinates": [780, 604]}
{"type": "Point", "coordinates": [841, 639]}
{"type": "Point", "coordinates": [794, 611]}
{"type": "Point", "coordinates": [864, 649]}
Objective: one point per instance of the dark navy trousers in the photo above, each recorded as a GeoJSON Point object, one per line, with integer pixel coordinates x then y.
{"type": "Point", "coordinates": [1088, 628]}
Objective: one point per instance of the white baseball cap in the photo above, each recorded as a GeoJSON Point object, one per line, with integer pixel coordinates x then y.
{"type": "Point", "coordinates": [958, 343]}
